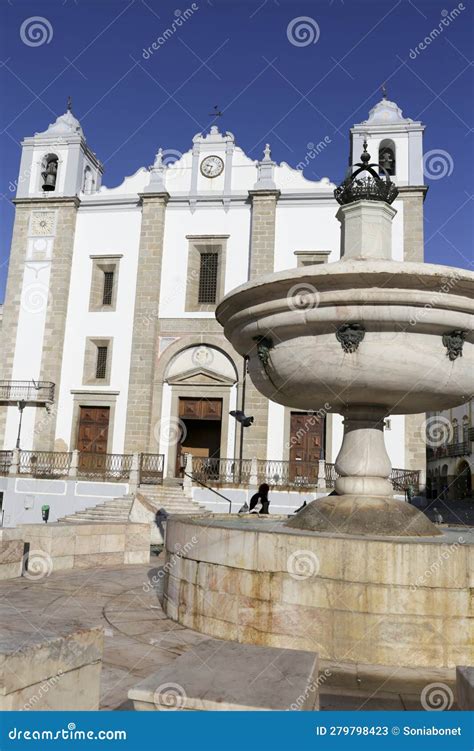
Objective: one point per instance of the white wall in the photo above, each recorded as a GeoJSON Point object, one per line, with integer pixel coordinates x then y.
{"type": "Point", "coordinates": [100, 231]}
{"type": "Point", "coordinates": [211, 220]}
{"type": "Point", "coordinates": [309, 227]}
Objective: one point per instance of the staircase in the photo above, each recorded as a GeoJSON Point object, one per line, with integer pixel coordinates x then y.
{"type": "Point", "coordinates": [171, 497]}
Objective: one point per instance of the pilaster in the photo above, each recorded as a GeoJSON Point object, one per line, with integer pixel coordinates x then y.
{"type": "Point", "coordinates": [56, 311]}
{"type": "Point", "coordinates": [262, 256]}
{"type": "Point", "coordinates": [145, 324]}
{"type": "Point", "coordinates": [413, 198]}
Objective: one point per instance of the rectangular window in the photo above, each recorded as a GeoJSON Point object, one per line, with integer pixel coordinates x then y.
{"type": "Point", "coordinates": [208, 278]}
{"type": "Point", "coordinates": [104, 283]}
{"type": "Point", "coordinates": [107, 292]}
{"type": "Point", "coordinates": [101, 364]}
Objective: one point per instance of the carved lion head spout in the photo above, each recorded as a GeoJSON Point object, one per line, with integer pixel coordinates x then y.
{"type": "Point", "coordinates": [453, 341]}
{"type": "Point", "coordinates": [350, 336]}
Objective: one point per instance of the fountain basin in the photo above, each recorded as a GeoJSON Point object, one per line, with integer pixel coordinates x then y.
{"type": "Point", "coordinates": [401, 364]}
{"type": "Point", "coordinates": [386, 601]}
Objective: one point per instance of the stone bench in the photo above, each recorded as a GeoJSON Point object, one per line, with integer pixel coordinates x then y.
{"type": "Point", "coordinates": [48, 671]}
{"type": "Point", "coordinates": [220, 675]}
{"type": "Point", "coordinates": [465, 687]}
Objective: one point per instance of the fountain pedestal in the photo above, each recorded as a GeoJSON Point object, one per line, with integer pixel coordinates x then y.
{"type": "Point", "coordinates": [364, 503]}
{"type": "Point", "coordinates": [363, 464]}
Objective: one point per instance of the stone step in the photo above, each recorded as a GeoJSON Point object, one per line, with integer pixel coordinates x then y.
{"type": "Point", "coordinates": [170, 497]}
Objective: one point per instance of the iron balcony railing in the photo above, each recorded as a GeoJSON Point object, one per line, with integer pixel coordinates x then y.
{"type": "Point", "coordinates": [222, 471]}
{"type": "Point", "coordinates": [290, 474]}
{"type": "Point", "coordinates": [115, 467]}
{"type": "Point", "coordinates": [151, 469]}
{"type": "Point", "coordinates": [44, 463]}
{"type": "Point", "coordinates": [461, 448]}
{"type": "Point", "coordinates": [402, 479]}
{"type": "Point", "coordinates": [38, 392]}
{"type": "Point", "coordinates": [5, 462]}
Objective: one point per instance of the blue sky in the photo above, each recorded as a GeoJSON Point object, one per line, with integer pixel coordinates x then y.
{"type": "Point", "coordinates": [237, 54]}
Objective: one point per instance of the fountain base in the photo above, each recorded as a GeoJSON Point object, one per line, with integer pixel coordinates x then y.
{"type": "Point", "coordinates": [364, 515]}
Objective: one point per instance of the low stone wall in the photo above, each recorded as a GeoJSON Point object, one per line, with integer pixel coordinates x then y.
{"type": "Point", "coordinates": [401, 602]}
{"type": "Point", "coordinates": [56, 547]}
{"type": "Point", "coordinates": [50, 672]}
{"type": "Point", "coordinates": [11, 558]}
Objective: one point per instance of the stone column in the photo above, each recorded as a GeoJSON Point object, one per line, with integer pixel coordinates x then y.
{"type": "Point", "coordinates": [74, 466]}
{"type": "Point", "coordinates": [253, 479]}
{"type": "Point", "coordinates": [262, 254]}
{"type": "Point", "coordinates": [14, 468]}
{"type": "Point", "coordinates": [145, 323]}
{"type": "Point", "coordinates": [366, 230]}
{"type": "Point", "coordinates": [134, 479]}
{"type": "Point", "coordinates": [321, 474]}
{"type": "Point", "coordinates": [187, 480]}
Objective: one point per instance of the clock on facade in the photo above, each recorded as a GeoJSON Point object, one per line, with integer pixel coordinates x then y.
{"type": "Point", "coordinates": [212, 166]}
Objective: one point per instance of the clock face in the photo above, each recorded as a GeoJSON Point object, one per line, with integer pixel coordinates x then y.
{"type": "Point", "coordinates": [212, 166]}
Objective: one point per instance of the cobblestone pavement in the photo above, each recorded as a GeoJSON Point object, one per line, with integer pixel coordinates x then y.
{"type": "Point", "coordinates": [139, 638]}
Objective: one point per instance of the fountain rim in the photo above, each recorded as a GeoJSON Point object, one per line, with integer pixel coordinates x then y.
{"type": "Point", "coordinates": [276, 523]}
{"type": "Point", "coordinates": [428, 275]}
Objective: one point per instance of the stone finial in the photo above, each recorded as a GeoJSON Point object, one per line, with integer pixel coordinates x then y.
{"type": "Point", "coordinates": [266, 171]}
{"type": "Point", "coordinates": [157, 175]}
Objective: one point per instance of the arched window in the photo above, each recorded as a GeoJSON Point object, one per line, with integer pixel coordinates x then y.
{"type": "Point", "coordinates": [49, 172]}
{"type": "Point", "coordinates": [387, 156]}
{"type": "Point", "coordinates": [465, 429]}
{"type": "Point", "coordinates": [88, 184]}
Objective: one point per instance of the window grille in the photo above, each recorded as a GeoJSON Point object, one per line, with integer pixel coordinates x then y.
{"type": "Point", "coordinates": [108, 288]}
{"type": "Point", "coordinates": [101, 365]}
{"type": "Point", "coordinates": [208, 278]}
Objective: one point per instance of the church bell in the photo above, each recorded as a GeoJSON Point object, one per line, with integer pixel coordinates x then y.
{"type": "Point", "coordinates": [49, 175]}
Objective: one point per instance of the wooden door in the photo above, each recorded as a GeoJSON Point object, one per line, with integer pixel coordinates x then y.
{"type": "Point", "coordinates": [93, 430]}
{"type": "Point", "coordinates": [200, 409]}
{"type": "Point", "coordinates": [306, 443]}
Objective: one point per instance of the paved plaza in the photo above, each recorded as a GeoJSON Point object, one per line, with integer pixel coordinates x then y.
{"type": "Point", "coordinates": [140, 639]}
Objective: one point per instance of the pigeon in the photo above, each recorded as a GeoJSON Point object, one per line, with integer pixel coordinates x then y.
{"type": "Point", "coordinates": [244, 509]}
{"type": "Point", "coordinates": [301, 507]}
{"type": "Point", "coordinates": [240, 417]}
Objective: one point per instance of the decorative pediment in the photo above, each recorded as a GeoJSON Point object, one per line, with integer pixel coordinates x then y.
{"type": "Point", "coordinates": [200, 377]}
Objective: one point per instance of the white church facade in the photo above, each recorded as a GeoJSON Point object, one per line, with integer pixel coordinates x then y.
{"type": "Point", "coordinates": [111, 293]}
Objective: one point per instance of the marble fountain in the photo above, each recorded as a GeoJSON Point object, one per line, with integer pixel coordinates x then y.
{"type": "Point", "coordinates": [357, 576]}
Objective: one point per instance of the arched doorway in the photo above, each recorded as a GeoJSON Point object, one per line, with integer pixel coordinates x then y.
{"type": "Point", "coordinates": [199, 390]}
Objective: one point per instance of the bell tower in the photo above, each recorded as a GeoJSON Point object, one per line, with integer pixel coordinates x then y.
{"type": "Point", "coordinates": [57, 168]}
{"type": "Point", "coordinates": [396, 142]}
{"type": "Point", "coordinates": [57, 162]}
